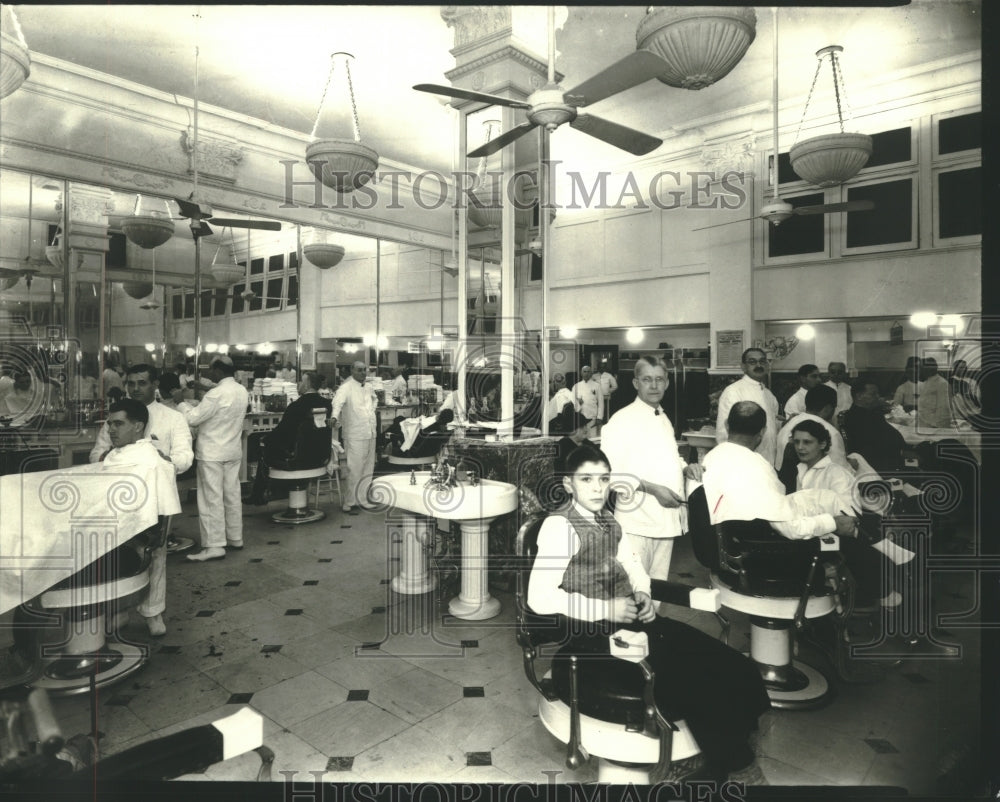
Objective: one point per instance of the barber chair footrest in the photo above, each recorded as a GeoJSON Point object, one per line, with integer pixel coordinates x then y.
{"type": "Point", "coordinates": [298, 516]}
{"type": "Point", "coordinates": [796, 686]}
{"type": "Point", "coordinates": [70, 675]}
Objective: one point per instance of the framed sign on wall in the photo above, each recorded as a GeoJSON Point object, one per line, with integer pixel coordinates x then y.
{"type": "Point", "coordinates": [729, 348]}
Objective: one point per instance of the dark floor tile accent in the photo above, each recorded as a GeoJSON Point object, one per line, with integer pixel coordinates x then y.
{"type": "Point", "coordinates": [345, 526]}
{"type": "Point", "coordinates": [325, 560]}
{"type": "Point", "coordinates": [256, 560]}
{"type": "Point", "coordinates": [274, 543]}
{"type": "Point", "coordinates": [394, 559]}
{"type": "Point", "coordinates": [234, 583]}
{"type": "Point", "coordinates": [384, 581]}
{"type": "Point", "coordinates": [204, 614]}
{"type": "Point", "coordinates": [470, 644]}
{"type": "Point", "coordinates": [121, 700]}
{"type": "Point", "coordinates": [239, 698]}
{"type": "Point", "coordinates": [371, 645]}
{"type": "Point", "coordinates": [294, 611]}
{"type": "Point", "coordinates": [274, 649]}
{"type": "Point", "coordinates": [478, 758]}
{"type": "Point", "coordinates": [340, 764]}
{"type": "Point", "coordinates": [357, 696]}
{"type": "Point", "coordinates": [311, 582]}
{"type": "Point", "coordinates": [881, 745]}
{"type": "Point", "coordinates": [378, 609]}
{"type": "Point", "coordinates": [473, 692]}
{"type": "Point", "coordinates": [169, 650]}
{"type": "Point", "coordinates": [335, 542]}
{"type": "Point", "coordinates": [915, 677]}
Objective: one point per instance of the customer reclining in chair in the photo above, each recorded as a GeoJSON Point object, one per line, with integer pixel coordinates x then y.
{"type": "Point", "coordinates": [585, 570]}
{"type": "Point", "coordinates": [740, 485]}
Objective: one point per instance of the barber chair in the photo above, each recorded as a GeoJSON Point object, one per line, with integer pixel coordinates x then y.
{"type": "Point", "coordinates": [780, 584]}
{"type": "Point", "coordinates": [299, 463]}
{"type": "Point", "coordinates": [66, 627]}
{"type": "Point", "coordinates": [601, 706]}
{"type": "Point", "coordinates": [426, 446]}
{"type": "Point", "coordinates": [33, 749]}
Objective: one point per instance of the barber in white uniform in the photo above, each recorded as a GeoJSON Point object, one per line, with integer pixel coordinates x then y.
{"type": "Point", "coordinates": [354, 406]}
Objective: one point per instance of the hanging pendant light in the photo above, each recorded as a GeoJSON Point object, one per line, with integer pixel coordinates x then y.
{"type": "Point", "coordinates": [147, 230]}
{"type": "Point", "coordinates": [700, 44]}
{"type": "Point", "coordinates": [341, 164]}
{"type": "Point", "coordinates": [137, 289]}
{"type": "Point", "coordinates": [830, 159]}
{"type": "Point", "coordinates": [224, 268]}
{"type": "Point", "coordinates": [15, 59]}
{"type": "Point", "coordinates": [489, 193]}
{"type": "Point", "coordinates": [323, 255]}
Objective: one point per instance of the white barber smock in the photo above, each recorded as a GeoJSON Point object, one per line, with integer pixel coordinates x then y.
{"type": "Point", "coordinates": [740, 485]}
{"type": "Point", "coordinates": [746, 389]}
{"type": "Point", "coordinates": [354, 408]}
{"type": "Point", "coordinates": [641, 445]}
{"type": "Point", "coordinates": [219, 418]}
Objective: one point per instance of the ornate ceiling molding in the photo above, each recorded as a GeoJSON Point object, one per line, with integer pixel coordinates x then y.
{"type": "Point", "coordinates": [217, 158]}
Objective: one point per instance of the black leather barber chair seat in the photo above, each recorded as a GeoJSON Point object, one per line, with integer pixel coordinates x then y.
{"type": "Point", "coordinates": [601, 706]}
{"type": "Point", "coordinates": [426, 445]}
{"type": "Point", "coordinates": [298, 462]}
{"type": "Point", "coordinates": [67, 627]}
{"type": "Point", "coordinates": [780, 584]}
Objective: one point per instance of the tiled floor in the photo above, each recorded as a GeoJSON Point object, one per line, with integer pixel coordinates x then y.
{"type": "Point", "coordinates": [356, 683]}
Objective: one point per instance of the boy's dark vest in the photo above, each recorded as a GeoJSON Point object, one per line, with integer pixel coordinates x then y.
{"type": "Point", "coordinates": [594, 570]}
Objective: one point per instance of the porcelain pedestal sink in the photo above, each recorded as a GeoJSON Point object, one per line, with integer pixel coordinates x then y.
{"type": "Point", "coordinates": [473, 506]}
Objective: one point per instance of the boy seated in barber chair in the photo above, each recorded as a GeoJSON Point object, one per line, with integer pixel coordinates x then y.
{"type": "Point", "coordinates": [585, 570]}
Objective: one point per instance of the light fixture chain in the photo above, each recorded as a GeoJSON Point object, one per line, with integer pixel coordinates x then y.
{"type": "Point", "coordinates": [322, 100]}
{"type": "Point", "coordinates": [819, 66]}
{"type": "Point", "coordinates": [354, 105]}
{"type": "Point", "coordinates": [840, 87]}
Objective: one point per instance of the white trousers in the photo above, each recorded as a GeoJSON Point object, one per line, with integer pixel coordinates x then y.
{"type": "Point", "coordinates": [654, 553]}
{"type": "Point", "coordinates": [156, 594]}
{"type": "Point", "coordinates": [360, 466]}
{"type": "Point", "coordinates": [220, 506]}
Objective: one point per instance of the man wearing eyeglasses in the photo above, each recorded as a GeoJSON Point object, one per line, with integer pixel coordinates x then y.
{"type": "Point", "coordinates": [751, 387]}
{"type": "Point", "coordinates": [647, 471]}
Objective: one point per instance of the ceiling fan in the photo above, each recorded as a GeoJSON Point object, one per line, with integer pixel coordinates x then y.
{"type": "Point", "coordinates": [552, 106]}
{"type": "Point", "coordinates": [776, 211]}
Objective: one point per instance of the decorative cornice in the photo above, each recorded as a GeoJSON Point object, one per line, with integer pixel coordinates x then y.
{"type": "Point", "coordinates": [217, 158]}
{"type": "Point", "coordinates": [505, 53]}
{"type": "Point", "coordinates": [737, 154]}
{"type": "Point", "coordinates": [475, 23]}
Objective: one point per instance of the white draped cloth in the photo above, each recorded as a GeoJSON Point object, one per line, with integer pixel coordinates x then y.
{"type": "Point", "coordinates": [55, 523]}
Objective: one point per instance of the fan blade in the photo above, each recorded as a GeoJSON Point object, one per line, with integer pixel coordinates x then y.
{"type": "Point", "coordinates": [193, 210]}
{"type": "Point", "coordinates": [505, 138]}
{"type": "Point", "coordinates": [262, 225]}
{"type": "Point", "coordinates": [635, 142]}
{"type": "Point", "coordinates": [829, 208]}
{"type": "Point", "coordinates": [468, 94]}
{"type": "Point", "coordinates": [727, 223]}
{"type": "Point", "coordinates": [636, 68]}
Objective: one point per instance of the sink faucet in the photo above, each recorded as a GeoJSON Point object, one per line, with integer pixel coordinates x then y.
{"type": "Point", "coordinates": [442, 476]}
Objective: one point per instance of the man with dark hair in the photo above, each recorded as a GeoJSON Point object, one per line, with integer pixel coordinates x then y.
{"type": "Point", "coordinates": [740, 485]}
{"type": "Point", "coordinates": [821, 401]}
{"type": "Point", "coordinates": [168, 431]}
{"type": "Point", "coordinates": [808, 378]}
{"type": "Point", "coordinates": [867, 431]}
{"type": "Point", "coordinates": [751, 388]}
{"type": "Point", "coordinates": [838, 381]}
{"type": "Point", "coordinates": [219, 449]}
{"type": "Point", "coordinates": [639, 440]}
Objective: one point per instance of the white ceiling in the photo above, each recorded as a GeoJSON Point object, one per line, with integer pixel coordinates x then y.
{"type": "Point", "coordinates": [271, 62]}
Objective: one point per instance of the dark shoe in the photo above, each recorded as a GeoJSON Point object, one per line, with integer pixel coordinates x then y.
{"type": "Point", "coordinates": [234, 545]}
{"type": "Point", "coordinates": [350, 510]}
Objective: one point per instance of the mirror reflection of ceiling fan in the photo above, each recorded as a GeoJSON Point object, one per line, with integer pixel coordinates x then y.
{"type": "Point", "coordinates": [552, 106]}
{"type": "Point", "coordinates": [776, 211]}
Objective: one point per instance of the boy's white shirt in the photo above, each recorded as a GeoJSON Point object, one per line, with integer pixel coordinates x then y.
{"type": "Point", "coordinates": [558, 542]}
